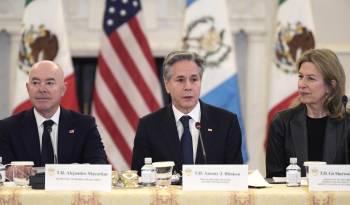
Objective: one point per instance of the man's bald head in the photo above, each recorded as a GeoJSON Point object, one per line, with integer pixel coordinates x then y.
{"type": "Point", "coordinates": [46, 87]}
{"type": "Point", "coordinates": [48, 65]}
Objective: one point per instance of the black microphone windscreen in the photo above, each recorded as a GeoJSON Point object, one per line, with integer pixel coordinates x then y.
{"type": "Point", "coordinates": [344, 99]}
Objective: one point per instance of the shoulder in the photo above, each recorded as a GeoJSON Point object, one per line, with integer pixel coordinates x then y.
{"type": "Point", "coordinates": [290, 113]}
{"type": "Point", "coordinates": [76, 116]}
{"type": "Point", "coordinates": [15, 119]}
{"type": "Point", "coordinates": [216, 112]}
{"type": "Point", "coordinates": [157, 116]}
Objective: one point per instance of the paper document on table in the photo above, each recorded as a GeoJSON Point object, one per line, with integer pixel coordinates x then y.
{"type": "Point", "coordinates": [255, 179]}
{"type": "Point", "coordinates": [279, 179]}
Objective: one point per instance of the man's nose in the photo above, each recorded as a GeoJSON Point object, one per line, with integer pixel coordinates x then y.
{"type": "Point", "coordinates": [188, 84]}
{"type": "Point", "coordinates": [42, 87]}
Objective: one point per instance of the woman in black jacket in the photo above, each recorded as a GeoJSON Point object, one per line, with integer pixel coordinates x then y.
{"type": "Point", "coordinates": [316, 128]}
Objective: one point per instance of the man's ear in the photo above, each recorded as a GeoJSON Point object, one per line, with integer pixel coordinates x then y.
{"type": "Point", "coordinates": [166, 86]}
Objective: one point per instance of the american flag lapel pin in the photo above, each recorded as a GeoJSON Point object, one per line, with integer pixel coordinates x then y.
{"type": "Point", "coordinates": [71, 131]}
{"type": "Point", "coordinates": [210, 130]}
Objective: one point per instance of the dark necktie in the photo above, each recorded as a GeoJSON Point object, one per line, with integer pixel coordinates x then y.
{"type": "Point", "coordinates": [47, 156]}
{"type": "Point", "coordinates": [186, 141]}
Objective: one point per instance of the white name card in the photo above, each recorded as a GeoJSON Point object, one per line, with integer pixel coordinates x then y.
{"type": "Point", "coordinates": [78, 177]}
{"type": "Point", "coordinates": [215, 177]}
{"type": "Point", "coordinates": [329, 178]}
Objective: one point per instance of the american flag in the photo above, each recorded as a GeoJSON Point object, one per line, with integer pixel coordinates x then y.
{"type": "Point", "coordinates": [126, 84]}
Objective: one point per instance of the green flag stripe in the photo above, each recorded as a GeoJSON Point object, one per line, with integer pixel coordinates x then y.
{"type": "Point", "coordinates": [281, 2]}
{"type": "Point", "coordinates": [28, 2]}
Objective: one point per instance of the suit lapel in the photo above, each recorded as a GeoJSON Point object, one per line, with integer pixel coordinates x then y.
{"type": "Point", "coordinates": [30, 137]}
{"type": "Point", "coordinates": [299, 135]}
{"type": "Point", "coordinates": [332, 135]}
{"type": "Point", "coordinates": [65, 136]}
{"type": "Point", "coordinates": [170, 131]}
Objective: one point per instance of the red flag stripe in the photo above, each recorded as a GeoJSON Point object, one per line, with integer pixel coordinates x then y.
{"type": "Point", "coordinates": [117, 92]}
{"type": "Point", "coordinates": [127, 62]}
{"type": "Point", "coordinates": [114, 156]}
{"type": "Point", "coordinates": [125, 82]}
{"type": "Point", "coordinates": [119, 118]}
{"type": "Point", "coordinates": [284, 104]}
{"type": "Point", "coordinates": [139, 58]}
{"type": "Point", "coordinates": [70, 99]}
{"type": "Point", "coordinates": [111, 128]}
{"type": "Point", "coordinates": [142, 41]}
{"type": "Point", "coordinates": [23, 106]}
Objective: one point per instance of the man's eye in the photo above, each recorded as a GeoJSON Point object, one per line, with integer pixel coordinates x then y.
{"type": "Point", "coordinates": [50, 83]}
{"type": "Point", "coordinates": [180, 80]}
{"type": "Point", "coordinates": [35, 83]}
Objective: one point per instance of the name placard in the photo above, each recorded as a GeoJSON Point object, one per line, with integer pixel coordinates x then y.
{"type": "Point", "coordinates": [329, 178]}
{"type": "Point", "coordinates": [78, 177]}
{"type": "Point", "coordinates": [215, 177]}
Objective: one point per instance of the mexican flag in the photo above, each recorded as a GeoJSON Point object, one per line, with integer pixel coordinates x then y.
{"type": "Point", "coordinates": [43, 37]}
{"type": "Point", "coordinates": [294, 34]}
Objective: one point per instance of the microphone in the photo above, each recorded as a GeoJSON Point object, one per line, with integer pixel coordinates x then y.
{"type": "Point", "coordinates": [198, 126]}
{"type": "Point", "coordinates": [344, 100]}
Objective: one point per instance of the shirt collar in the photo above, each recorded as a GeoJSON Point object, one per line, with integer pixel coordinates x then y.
{"type": "Point", "coordinates": [40, 119]}
{"type": "Point", "coordinates": [195, 113]}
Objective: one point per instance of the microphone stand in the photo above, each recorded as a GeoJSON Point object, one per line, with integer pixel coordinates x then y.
{"type": "Point", "coordinates": [345, 101]}
{"type": "Point", "coordinates": [198, 126]}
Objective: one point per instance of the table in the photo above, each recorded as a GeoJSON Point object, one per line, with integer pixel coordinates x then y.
{"type": "Point", "coordinates": [277, 194]}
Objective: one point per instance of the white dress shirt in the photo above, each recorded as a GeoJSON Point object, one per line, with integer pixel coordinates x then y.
{"type": "Point", "coordinates": [195, 115]}
{"type": "Point", "coordinates": [54, 133]}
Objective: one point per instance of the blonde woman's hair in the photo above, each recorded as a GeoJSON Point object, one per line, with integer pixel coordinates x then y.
{"type": "Point", "coordinates": [333, 74]}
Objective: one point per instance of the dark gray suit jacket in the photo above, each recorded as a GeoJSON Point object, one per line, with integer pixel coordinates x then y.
{"type": "Point", "coordinates": [288, 138]}
{"type": "Point", "coordinates": [78, 139]}
{"type": "Point", "coordinates": [157, 137]}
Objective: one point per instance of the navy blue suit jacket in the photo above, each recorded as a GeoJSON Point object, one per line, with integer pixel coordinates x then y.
{"type": "Point", "coordinates": [157, 137]}
{"type": "Point", "coordinates": [78, 139]}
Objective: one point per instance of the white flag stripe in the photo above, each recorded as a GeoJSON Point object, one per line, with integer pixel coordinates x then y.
{"type": "Point", "coordinates": [119, 118]}
{"type": "Point", "coordinates": [21, 93]}
{"type": "Point", "coordinates": [277, 87]}
{"type": "Point", "coordinates": [140, 61]}
{"type": "Point", "coordinates": [289, 14]}
{"type": "Point", "coordinates": [130, 90]}
{"type": "Point", "coordinates": [43, 19]}
{"type": "Point", "coordinates": [113, 154]}
{"type": "Point", "coordinates": [212, 78]}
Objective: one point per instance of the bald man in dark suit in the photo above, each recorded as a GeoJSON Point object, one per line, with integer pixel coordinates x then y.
{"type": "Point", "coordinates": [48, 133]}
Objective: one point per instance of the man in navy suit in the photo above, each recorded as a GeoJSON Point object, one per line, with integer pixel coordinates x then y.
{"type": "Point", "coordinates": [172, 133]}
{"type": "Point", "coordinates": [71, 137]}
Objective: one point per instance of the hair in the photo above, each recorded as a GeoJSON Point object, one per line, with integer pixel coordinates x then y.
{"type": "Point", "coordinates": [176, 56]}
{"type": "Point", "coordinates": [333, 74]}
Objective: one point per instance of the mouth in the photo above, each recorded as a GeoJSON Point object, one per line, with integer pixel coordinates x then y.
{"type": "Point", "coordinates": [303, 93]}
{"type": "Point", "coordinates": [42, 99]}
{"type": "Point", "coordinates": [187, 97]}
